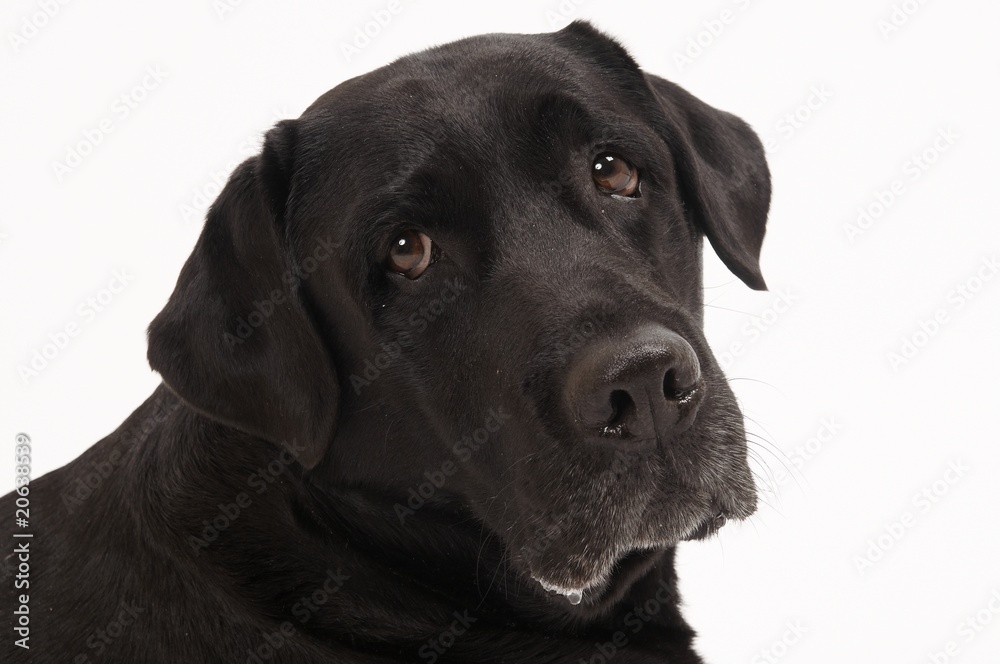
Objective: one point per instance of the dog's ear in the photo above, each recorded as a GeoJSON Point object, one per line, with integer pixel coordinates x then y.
{"type": "Point", "coordinates": [723, 175]}
{"type": "Point", "coordinates": [235, 340]}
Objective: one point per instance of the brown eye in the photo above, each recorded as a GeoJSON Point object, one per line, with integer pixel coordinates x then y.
{"type": "Point", "coordinates": [613, 175]}
{"type": "Point", "coordinates": [410, 253]}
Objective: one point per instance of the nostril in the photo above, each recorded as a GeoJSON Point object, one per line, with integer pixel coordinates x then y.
{"type": "Point", "coordinates": [676, 388]}
{"type": "Point", "coordinates": [622, 409]}
{"type": "Point", "coordinates": [671, 389]}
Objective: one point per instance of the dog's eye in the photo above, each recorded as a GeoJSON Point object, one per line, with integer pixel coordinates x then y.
{"type": "Point", "coordinates": [410, 254]}
{"type": "Point", "coordinates": [614, 175]}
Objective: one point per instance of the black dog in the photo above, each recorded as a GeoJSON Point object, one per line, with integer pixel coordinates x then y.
{"type": "Point", "coordinates": [435, 384]}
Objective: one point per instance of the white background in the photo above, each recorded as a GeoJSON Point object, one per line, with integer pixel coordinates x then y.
{"type": "Point", "coordinates": [800, 582]}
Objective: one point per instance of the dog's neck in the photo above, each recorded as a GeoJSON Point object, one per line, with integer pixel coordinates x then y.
{"type": "Point", "coordinates": [327, 557]}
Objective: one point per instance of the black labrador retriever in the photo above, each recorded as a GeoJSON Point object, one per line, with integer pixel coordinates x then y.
{"type": "Point", "coordinates": [435, 386]}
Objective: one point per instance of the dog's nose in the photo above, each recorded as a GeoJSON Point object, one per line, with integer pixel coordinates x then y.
{"type": "Point", "coordinates": [630, 392]}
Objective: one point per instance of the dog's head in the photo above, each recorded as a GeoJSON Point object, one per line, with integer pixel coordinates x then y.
{"type": "Point", "coordinates": [473, 276]}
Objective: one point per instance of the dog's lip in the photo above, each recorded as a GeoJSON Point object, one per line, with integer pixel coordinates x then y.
{"type": "Point", "coordinates": [597, 587]}
{"type": "Point", "coordinates": [710, 525]}
{"type": "Point", "coordinates": [720, 513]}
{"type": "Point", "coordinates": [573, 595]}
{"type": "Point", "coordinates": [593, 588]}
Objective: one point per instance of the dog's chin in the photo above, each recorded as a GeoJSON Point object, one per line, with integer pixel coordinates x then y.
{"type": "Point", "coordinates": [590, 566]}
{"type": "Point", "coordinates": [588, 570]}
{"type": "Point", "coordinates": [577, 584]}
{"type": "Point", "coordinates": [607, 585]}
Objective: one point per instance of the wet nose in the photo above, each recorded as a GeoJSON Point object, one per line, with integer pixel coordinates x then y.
{"type": "Point", "coordinates": [630, 392]}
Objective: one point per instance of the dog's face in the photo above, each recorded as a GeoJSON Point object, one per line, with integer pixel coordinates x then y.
{"type": "Point", "coordinates": [478, 270]}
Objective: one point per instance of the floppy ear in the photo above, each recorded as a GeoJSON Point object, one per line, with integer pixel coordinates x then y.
{"type": "Point", "coordinates": [235, 341]}
{"type": "Point", "coordinates": [723, 175]}
{"type": "Point", "coordinates": [721, 169]}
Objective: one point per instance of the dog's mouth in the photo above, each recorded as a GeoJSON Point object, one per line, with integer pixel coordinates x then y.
{"type": "Point", "coordinates": [588, 508]}
{"type": "Point", "coordinates": [573, 595]}
{"type": "Point", "coordinates": [710, 526]}
{"type": "Point", "coordinates": [587, 567]}
{"type": "Point", "coordinates": [628, 565]}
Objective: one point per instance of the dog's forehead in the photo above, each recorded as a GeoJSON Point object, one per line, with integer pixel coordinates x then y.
{"type": "Point", "coordinates": [479, 86]}
{"type": "Point", "coordinates": [460, 126]}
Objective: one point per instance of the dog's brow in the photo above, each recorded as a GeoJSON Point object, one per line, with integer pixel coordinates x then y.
{"type": "Point", "coordinates": [558, 114]}
{"type": "Point", "coordinates": [555, 111]}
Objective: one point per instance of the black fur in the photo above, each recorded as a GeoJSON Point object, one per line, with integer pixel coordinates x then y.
{"type": "Point", "coordinates": [343, 465]}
